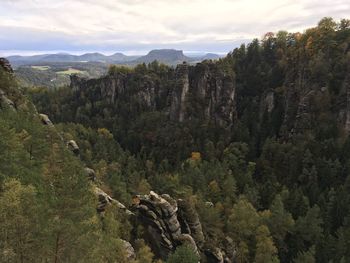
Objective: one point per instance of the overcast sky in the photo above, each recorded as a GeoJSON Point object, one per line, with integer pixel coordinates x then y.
{"type": "Point", "coordinates": [136, 26]}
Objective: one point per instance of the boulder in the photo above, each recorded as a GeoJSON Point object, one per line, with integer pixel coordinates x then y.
{"type": "Point", "coordinates": [214, 255]}
{"type": "Point", "coordinates": [73, 146]}
{"type": "Point", "coordinates": [45, 119]}
{"type": "Point", "coordinates": [90, 173]}
{"type": "Point", "coordinates": [129, 250]}
{"type": "Point", "coordinates": [104, 199]}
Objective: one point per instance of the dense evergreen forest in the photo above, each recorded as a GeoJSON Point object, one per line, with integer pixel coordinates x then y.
{"type": "Point", "coordinates": [256, 143]}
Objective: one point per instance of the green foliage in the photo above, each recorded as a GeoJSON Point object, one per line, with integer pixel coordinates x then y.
{"type": "Point", "coordinates": [19, 222]}
{"type": "Point", "coordinates": [115, 69]}
{"type": "Point", "coordinates": [275, 181]}
{"type": "Point", "coordinates": [183, 254]}
{"type": "Point", "coordinates": [306, 257]}
{"type": "Point", "coordinates": [265, 249]}
{"type": "Point", "coordinates": [47, 206]}
{"type": "Point", "coordinates": [143, 252]}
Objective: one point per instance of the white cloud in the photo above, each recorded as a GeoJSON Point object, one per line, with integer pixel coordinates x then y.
{"type": "Point", "coordinates": [105, 24]}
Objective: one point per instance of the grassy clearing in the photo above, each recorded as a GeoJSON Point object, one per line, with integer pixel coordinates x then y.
{"type": "Point", "coordinates": [41, 67]}
{"type": "Point", "coordinates": [71, 71]}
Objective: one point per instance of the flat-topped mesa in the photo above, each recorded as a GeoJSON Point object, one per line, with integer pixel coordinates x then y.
{"type": "Point", "coordinates": [5, 64]}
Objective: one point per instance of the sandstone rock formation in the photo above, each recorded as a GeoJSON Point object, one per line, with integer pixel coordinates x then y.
{"type": "Point", "coordinates": [129, 250]}
{"type": "Point", "coordinates": [45, 120]}
{"type": "Point", "coordinates": [73, 146]}
{"type": "Point", "coordinates": [5, 102]}
{"type": "Point", "coordinates": [169, 223]}
{"type": "Point", "coordinates": [5, 64]}
{"type": "Point", "coordinates": [204, 91]}
{"type": "Point", "coordinates": [347, 111]}
{"type": "Point", "coordinates": [158, 214]}
{"type": "Point", "coordinates": [90, 173]}
{"type": "Point", "coordinates": [189, 221]}
{"type": "Point", "coordinates": [104, 199]}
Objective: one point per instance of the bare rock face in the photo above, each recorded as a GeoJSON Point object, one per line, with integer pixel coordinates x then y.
{"type": "Point", "coordinates": [347, 111]}
{"type": "Point", "coordinates": [180, 93]}
{"type": "Point", "coordinates": [190, 221]}
{"type": "Point", "coordinates": [104, 200]}
{"type": "Point", "coordinates": [204, 91]}
{"type": "Point", "coordinates": [169, 223]}
{"type": "Point", "coordinates": [5, 102]}
{"type": "Point", "coordinates": [90, 173]}
{"type": "Point", "coordinates": [214, 256]}
{"type": "Point", "coordinates": [129, 250]}
{"type": "Point", "coordinates": [73, 146]}
{"type": "Point", "coordinates": [158, 214]}
{"type": "Point", "coordinates": [45, 120]}
{"type": "Point", "coordinates": [5, 64]}
{"type": "Point", "coordinates": [267, 102]}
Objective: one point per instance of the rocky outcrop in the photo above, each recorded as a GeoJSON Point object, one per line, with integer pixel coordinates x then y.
{"type": "Point", "coordinates": [214, 256]}
{"type": "Point", "coordinates": [5, 64]}
{"type": "Point", "coordinates": [347, 107]}
{"type": "Point", "coordinates": [90, 173]}
{"type": "Point", "coordinates": [189, 221]}
{"type": "Point", "coordinates": [73, 146]}
{"type": "Point", "coordinates": [104, 200]}
{"type": "Point", "coordinates": [204, 91]}
{"type": "Point", "coordinates": [5, 102]}
{"type": "Point", "coordinates": [45, 120]}
{"type": "Point", "coordinates": [169, 223]}
{"type": "Point", "coordinates": [268, 102]}
{"type": "Point", "coordinates": [159, 216]}
{"type": "Point", "coordinates": [179, 93]}
{"type": "Point", "coordinates": [129, 250]}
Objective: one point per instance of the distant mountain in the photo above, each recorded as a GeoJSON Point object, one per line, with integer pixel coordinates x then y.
{"type": "Point", "coordinates": [166, 56]}
{"type": "Point", "coordinates": [96, 57]}
{"type": "Point", "coordinates": [210, 56]}
{"type": "Point", "coordinates": [122, 58]}
{"type": "Point", "coordinates": [69, 58]}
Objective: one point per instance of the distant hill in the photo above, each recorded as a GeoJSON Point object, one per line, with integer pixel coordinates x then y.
{"type": "Point", "coordinates": [56, 74]}
{"type": "Point", "coordinates": [17, 61]}
{"type": "Point", "coordinates": [166, 56]}
{"type": "Point", "coordinates": [210, 56]}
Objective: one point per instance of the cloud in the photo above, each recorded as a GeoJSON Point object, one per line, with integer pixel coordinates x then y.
{"type": "Point", "coordinates": [145, 24]}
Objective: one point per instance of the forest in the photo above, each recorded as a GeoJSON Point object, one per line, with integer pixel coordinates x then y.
{"type": "Point", "coordinates": [257, 143]}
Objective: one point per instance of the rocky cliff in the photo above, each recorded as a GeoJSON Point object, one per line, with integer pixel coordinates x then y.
{"type": "Point", "coordinates": [170, 223]}
{"type": "Point", "coordinates": [207, 93]}
{"type": "Point", "coordinates": [5, 64]}
{"type": "Point", "coordinates": [204, 91]}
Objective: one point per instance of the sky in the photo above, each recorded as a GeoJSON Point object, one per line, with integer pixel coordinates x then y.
{"type": "Point", "coordinates": [137, 26]}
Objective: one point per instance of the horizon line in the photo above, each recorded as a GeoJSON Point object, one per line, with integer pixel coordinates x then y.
{"type": "Point", "coordinates": [24, 53]}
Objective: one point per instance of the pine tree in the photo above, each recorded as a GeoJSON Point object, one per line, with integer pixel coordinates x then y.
{"type": "Point", "coordinates": [70, 207]}
{"type": "Point", "coordinates": [266, 252]}
{"type": "Point", "coordinates": [306, 257]}
{"type": "Point", "coordinates": [183, 254]}
{"type": "Point", "coordinates": [280, 223]}
{"type": "Point", "coordinates": [19, 223]}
